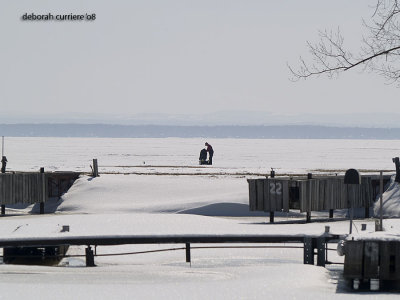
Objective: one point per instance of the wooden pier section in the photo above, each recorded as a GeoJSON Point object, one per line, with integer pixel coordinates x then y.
{"type": "Point", "coordinates": [314, 194]}
{"type": "Point", "coordinates": [372, 260]}
{"type": "Point", "coordinates": [31, 187]}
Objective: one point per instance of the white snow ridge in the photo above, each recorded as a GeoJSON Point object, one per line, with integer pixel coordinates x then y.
{"type": "Point", "coordinates": [390, 201]}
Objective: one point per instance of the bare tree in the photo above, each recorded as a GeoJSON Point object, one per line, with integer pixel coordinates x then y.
{"type": "Point", "coordinates": [379, 52]}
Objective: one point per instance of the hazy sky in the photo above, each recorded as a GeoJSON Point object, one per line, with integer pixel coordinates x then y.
{"type": "Point", "coordinates": [179, 57]}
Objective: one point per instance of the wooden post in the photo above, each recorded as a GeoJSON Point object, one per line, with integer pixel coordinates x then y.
{"type": "Point", "coordinates": [188, 253]}
{"type": "Point", "coordinates": [3, 158]}
{"type": "Point", "coordinates": [272, 173]}
{"type": "Point", "coordinates": [366, 213]}
{"type": "Point", "coordinates": [381, 201]}
{"type": "Point", "coordinates": [3, 209]}
{"type": "Point", "coordinates": [331, 214]}
{"type": "Point", "coordinates": [309, 204]}
{"type": "Point", "coordinates": [95, 168]}
{"type": "Point", "coordinates": [271, 216]}
{"type": "Point", "coordinates": [43, 191]}
{"type": "Point", "coordinates": [351, 211]}
{"type": "Point", "coordinates": [89, 257]}
{"type": "Point", "coordinates": [397, 163]}
{"type": "Point", "coordinates": [308, 217]}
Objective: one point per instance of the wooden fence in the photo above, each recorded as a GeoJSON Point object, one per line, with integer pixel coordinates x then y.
{"type": "Point", "coordinates": [327, 193]}
{"type": "Point", "coordinates": [30, 188]}
{"type": "Point", "coordinates": [25, 188]}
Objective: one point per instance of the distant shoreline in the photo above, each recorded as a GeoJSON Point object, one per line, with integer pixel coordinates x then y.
{"type": "Point", "coordinates": [220, 131]}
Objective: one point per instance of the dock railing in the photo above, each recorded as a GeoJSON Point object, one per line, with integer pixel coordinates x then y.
{"type": "Point", "coordinates": [310, 242]}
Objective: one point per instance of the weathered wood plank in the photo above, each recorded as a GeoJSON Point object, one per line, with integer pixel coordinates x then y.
{"type": "Point", "coordinates": [353, 260]}
{"type": "Point", "coordinates": [252, 194]}
{"type": "Point", "coordinates": [371, 259]}
{"type": "Point", "coordinates": [285, 196]}
{"type": "Point", "coordinates": [267, 198]}
{"type": "Point", "coordinates": [272, 194]}
{"type": "Point", "coordinates": [389, 260]}
{"type": "Point", "coordinates": [260, 194]}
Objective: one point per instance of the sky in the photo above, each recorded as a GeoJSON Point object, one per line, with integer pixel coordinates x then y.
{"type": "Point", "coordinates": [179, 57]}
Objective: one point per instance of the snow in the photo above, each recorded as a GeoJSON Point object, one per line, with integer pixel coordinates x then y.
{"type": "Point", "coordinates": [390, 201]}
{"type": "Point", "coordinates": [213, 200]}
{"type": "Point", "coordinates": [179, 155]}
{"type": "Point", "coordinates": [152, 193]}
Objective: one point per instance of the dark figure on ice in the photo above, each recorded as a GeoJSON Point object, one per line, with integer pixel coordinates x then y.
{"type": "Point", "coordinates": [3, 164]}
{"type": "Point", "coordinates": [210, 151]}
{"type": "Point", "coordinates": [203, 157]}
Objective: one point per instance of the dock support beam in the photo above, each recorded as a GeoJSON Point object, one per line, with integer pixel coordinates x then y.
{"type": "Point", "coordinates": [315, 243]}
{"type": "Point", "coordinates": [271, 216]}
{"type": "Point", "coordinates": [188, 259]}
{"type": "Point", "coordinates": [3, 209]}
{"type": "Point", "coordinates": [321, 250]}
{"type": "Point", "coordinates": [308, 251]}
{"type": "Point", "coordinates": [331, 214]}
{"type": "Point", "coordinates": [41, 210]}
{"type": "Point", "coordinates": [89, 257]}
{"type": "Point", "coordinates": [308, 217]}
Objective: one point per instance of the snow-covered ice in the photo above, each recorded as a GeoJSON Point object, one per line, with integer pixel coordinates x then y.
{"type": "Point", "coordinates": [214, 201]}
{"type": "Point", "coordinates": [179, 155]}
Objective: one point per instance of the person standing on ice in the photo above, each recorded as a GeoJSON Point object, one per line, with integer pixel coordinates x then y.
{"type": "Point", "coordinates": [210, 151]}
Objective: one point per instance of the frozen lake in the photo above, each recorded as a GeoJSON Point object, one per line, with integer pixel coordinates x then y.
{"type": "Point", "coordinates": [180, 155]}
{"type": "Point", "coordinates": [166, 205]}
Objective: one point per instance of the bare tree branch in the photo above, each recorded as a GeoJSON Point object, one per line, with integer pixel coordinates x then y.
{"type": "Point", "coordinates": [379, 52]}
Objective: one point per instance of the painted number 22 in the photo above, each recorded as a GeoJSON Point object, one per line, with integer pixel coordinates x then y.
{"type": "Point", "coordinates": [275, 188]}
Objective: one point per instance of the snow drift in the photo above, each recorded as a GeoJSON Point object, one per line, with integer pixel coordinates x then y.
{"type": "Point", "coordinates": [391, 201]}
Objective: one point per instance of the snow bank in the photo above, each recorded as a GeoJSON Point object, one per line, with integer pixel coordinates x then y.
{"type": "Point", "coordinates": [204, 195]}
{"type": "Point", "coordinates": [390, 200]}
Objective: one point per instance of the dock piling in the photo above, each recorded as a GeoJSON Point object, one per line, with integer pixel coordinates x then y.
{"type": "Point", "coordinates": [188, 258]}
{"type": "Point", "coordinates": [89, 257]}
{"type": "Point", "coordinates": [271, 216]}
{"type": "Point", "coordinates": [95, 168]}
